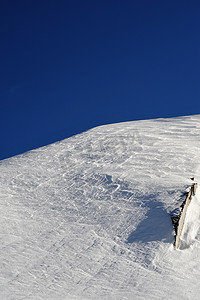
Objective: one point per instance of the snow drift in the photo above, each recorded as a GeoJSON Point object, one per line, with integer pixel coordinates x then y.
{"type": "Point", "coordinates": [192, 222]}
{"type": "Point", "coordinates": [89, 217]}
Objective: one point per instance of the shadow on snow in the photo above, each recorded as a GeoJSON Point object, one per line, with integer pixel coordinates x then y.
{"type": "Point", "coordinates": [156, 226]}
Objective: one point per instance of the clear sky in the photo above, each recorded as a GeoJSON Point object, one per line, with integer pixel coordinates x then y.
{"type": "Point", "coordinates": [67, 66]}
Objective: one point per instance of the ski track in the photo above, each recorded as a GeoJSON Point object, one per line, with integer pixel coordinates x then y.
{"type": "Point", "coordinates": [88, 217]}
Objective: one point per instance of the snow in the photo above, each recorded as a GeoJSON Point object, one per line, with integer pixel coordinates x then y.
{"type": "Point", "coordinates": [89, 217]}
{"type": "Point", "coordinates": [192, 222]}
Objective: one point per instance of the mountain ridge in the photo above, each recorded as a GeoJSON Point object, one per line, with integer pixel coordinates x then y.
{"type": "Point", "coordinates": [89, 217]}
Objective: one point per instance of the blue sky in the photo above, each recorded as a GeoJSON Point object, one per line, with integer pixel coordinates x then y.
{"type": "Point", "coordinates": [67, 66]}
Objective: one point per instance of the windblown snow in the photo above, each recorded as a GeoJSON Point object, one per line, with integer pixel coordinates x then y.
{"type": "Point", "coordinates": [89, 217]}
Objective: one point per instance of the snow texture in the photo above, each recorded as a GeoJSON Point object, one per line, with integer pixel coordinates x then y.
{"type": "Point", "coordinates": [89, 217]}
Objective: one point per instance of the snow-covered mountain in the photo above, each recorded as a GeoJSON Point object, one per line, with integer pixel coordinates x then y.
{"type": "Point", "coordinates": [89, 217]}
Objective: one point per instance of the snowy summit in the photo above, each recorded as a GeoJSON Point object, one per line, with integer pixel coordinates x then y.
{"type": "Point", "coordinates": [89, 217]}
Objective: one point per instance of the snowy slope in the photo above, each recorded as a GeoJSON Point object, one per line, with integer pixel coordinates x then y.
{"type": "Point", "coordinates": [88, 217]}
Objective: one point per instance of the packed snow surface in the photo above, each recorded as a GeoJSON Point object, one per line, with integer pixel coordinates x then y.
{"type": "Point", "coordinates": [89, 217]}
